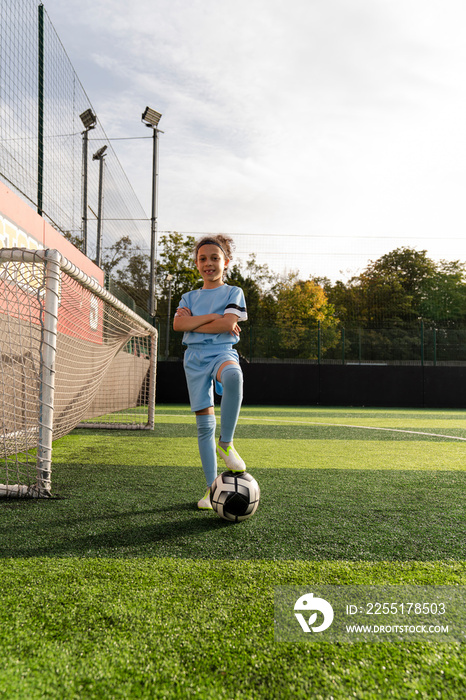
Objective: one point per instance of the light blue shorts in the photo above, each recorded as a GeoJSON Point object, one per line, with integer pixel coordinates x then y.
{"type": "Point", "coordinates": [201, 364]}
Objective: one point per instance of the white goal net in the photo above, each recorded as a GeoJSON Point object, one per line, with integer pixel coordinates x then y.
{"type": "Point", "coordinates": [70, 352]}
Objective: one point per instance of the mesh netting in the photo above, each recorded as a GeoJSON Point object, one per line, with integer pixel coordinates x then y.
{"type": "Point", "coordinates": [41, 133]}
{"type": "Point", "coordinates": [20, 335]}
{"type": "Point", "coordinates": [123, 404]}
{"type": "Point", "coordinates": [101, 365]}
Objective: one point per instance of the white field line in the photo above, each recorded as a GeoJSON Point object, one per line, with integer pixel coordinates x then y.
{"type": "Point", "coordinates": [338, 425]}
{"type": "Point", "coordinates": [359, 427]}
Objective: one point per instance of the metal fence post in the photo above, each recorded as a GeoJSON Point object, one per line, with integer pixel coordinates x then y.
{"type": "Point", "coordinates": [40, 115]}
{"type": "Point", "coordinates": [319, 342]}
{"type": "Point", "coordinates": [422, 343]}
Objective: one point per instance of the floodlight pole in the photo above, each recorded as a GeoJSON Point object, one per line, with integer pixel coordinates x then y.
{"type": "Point", "coordinates": [84, 198]}
{"type": "Point", "coordinates": [89, 121]}
{"type": "Point", "coordinates": [153, 224]}
{"type": "Point", "coordinates": [100, 156]}
{"type": "Point", "coordinates": [151, 119]}
{"type": "Point", "coordinates": [40, 104]}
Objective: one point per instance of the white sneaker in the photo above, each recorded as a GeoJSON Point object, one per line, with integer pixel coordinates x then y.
{"type": "Point", "coordinates": [204, 503]}
{"type": "Point", "coordinates": [232, 459]}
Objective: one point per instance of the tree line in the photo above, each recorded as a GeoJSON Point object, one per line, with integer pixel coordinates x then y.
{"type": "Point", "coordinates": [288, 314]}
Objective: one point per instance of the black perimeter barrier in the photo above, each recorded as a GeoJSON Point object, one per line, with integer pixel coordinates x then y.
{"type": "Point", "coordinates": [333, 385]}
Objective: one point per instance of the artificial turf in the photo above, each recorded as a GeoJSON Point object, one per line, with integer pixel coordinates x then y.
{"type": "Point", "coordinates": [118, 587]}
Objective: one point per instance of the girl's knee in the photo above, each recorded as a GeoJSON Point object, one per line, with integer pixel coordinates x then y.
{"type": "Point", "coordinates": [227, 363]}
{"type": "Point", "coordinates": [231, 374]}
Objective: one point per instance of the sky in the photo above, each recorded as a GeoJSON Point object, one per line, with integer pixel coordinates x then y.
{"type": "Point", "coordinates": [319, 133]}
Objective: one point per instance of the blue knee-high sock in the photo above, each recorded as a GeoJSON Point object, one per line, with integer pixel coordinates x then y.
{"type": "Point", "coordinates": [207, 449]}
{"type": "Point", "coordinates": [232, 382]}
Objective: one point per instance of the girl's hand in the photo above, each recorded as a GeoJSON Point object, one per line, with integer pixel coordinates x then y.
{"type": "Point", "coordinates": [183, 311]}
{"type": "Point", "coordinates": [236, 330]}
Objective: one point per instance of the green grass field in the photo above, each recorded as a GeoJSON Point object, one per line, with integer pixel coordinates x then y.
{"type": "Point", "coordinates": [120, 588]}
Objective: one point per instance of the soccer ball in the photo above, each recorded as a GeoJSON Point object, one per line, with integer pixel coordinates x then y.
{"type": "Point", "coordinates": [235, 496]}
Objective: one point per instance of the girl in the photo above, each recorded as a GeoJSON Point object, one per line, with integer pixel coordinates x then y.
{"type": "Point", "coordinates": [209, 318]}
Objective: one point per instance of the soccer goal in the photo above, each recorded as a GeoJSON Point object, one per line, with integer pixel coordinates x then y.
{"type": "Point", "coordinates": [70, 352]}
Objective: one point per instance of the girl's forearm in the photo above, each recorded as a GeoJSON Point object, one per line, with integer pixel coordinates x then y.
{"type": "Point", "coordinates": [192, 323]}
{"type": "Point", "coordinates": [219, 325]}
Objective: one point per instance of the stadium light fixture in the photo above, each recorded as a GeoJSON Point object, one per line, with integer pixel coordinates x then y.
{"type": "Point", "coordinates": [100, 155]}
{"type": "Point", "coordinates": [89, 121]}
{"type": "Point", "coordinates": [151, 119]}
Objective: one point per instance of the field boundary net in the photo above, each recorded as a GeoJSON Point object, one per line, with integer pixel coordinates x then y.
{"type": "Point", "coordinates": [62, 335]}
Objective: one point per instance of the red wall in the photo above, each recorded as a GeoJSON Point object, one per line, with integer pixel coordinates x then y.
{"type": "Point", "coordinates": [22, 227]}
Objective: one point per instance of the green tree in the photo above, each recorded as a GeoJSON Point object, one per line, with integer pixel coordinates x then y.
{"type": "Point", "coordinates": [302, 306]}
{"type": "Point", "coordinates": [117, 254]}
{"type": "Point", "coordinates": [390, 291]}
{"type": "Point", "coordinates": [128, 266]}
{"type": "Point", "coordinates": [445, 293]}
{"type": "Point", "coordinates": [175, 259]}
{"type": "Point", "coordinates": [386, 302]}
{"type": "Point", "coordinates": [256, 281]}
{"type": "Point", "coordinates": [135, 278]}
{"type": "Point", "coordinates": [398, 283]}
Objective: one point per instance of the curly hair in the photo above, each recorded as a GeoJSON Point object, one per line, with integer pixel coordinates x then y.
{"type": "Point", "coordinates": [225, 244]}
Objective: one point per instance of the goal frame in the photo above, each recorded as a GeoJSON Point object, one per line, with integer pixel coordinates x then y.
{"type": "Point", "coordinates": [55, 263]}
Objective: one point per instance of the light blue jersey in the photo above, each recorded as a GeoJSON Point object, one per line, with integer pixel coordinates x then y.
{"type": "Point", "coordinates": [221, 300]}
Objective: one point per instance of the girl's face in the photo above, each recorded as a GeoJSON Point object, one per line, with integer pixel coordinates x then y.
{"type": "Point", "coordinates": [211, 264]}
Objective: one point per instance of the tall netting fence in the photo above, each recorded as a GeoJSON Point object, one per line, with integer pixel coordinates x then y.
{"type": "Point", "coordinates": [42, 134]}
{"type": "Point", "coordinates": [400, 310]}
{"type": "Point", "coordinates": [420, 343]}
{"type": "Point", "coordinates": [417, 344]}
{"type": "Point", "coordinates": [70, 351]}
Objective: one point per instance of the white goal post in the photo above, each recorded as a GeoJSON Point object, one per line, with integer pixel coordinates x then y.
{"type": "Point", "coordinates": [70, 351]}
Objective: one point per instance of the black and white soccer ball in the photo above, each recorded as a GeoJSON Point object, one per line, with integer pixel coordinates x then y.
{"type": "Point", "coordinates": [235, 496]}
